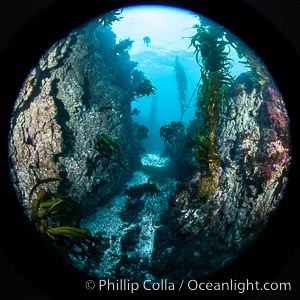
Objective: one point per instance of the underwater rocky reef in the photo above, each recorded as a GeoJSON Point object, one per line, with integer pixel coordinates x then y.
{"type": "Point", "coordinates": [73, 118]}
{"type": "Point", "coordinates": [112, 210]}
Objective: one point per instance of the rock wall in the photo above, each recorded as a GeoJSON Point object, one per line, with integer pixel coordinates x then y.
{"type": "Point", "coordinates": [78, 90]}
{"type": "Point", "coordinates": [254, 147]}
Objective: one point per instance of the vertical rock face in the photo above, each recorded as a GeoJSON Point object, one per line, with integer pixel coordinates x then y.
{"type": "Point", "coordinates": [254, 147]}
{"type": "Point", "coordinates": [71, 97]}
{"type": "Point", "coordinates": [256, 154]}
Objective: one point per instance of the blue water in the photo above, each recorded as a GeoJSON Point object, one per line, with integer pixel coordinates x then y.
{"type": "Point", "coordinates": [170, 31]}
{"type": "Point", "coordinates": [158, 66]}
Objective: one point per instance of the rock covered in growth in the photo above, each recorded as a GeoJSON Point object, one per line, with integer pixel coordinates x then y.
{"type": "Point", "coordinates": [36, 136]}
{"type": "Point", "coordinates": [79, 89]}
{"type": "Point", "coordinates": [254, 146]}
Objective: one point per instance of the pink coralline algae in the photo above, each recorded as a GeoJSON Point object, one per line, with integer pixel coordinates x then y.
{"type": "Point", "coordinates": [274, 160]}
{"type": "Point", "coordinates": [277, 112]}
{"type": "Point", "coordinates": [275, 157]}
{"type": "Point", "coordinates": [266, 172]}
{"type": "Point", "coordinates": [277, 153]}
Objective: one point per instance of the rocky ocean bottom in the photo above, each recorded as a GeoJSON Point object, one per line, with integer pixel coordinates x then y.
{"type": "Point", "coordinates": [140, 239]}
{"type": "Point", "coordinates": [128, 224]}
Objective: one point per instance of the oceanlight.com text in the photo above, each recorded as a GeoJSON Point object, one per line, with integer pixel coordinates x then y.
{"type": "Point", "coordinates": [191, 285]}
{"type": "Point", "coordinates": [238, 286]}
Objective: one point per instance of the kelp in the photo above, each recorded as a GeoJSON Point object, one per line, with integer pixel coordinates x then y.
{"type": "Point", "coordinates": [182, 86]}
{"type": "Point", "coordinates": [141, 85]}
{"type": "Point", "coordinates": [172, 133]}
{"type": "Point", "coordinates": [138, 191]}
{"type": "Point", "coordinates": [106, 148]}
{"type": "Point", "coordinates": [107, 19]}
{"type": "Point", "coordinates": [257, 69]}
{"type": "Point", "coordinates": [122, 46]}
{"type": "Point", "coordinates": [57, 217]}
{"type": "Point", "coordinates": [211, 52]}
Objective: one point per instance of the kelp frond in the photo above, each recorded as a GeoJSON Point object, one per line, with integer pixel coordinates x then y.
{"type": "Point", "coordinates": [211, 53]}
{"type": "Point", "coordinates": [57, 217]}
{"type": "Point", "coordinates": [107, 19]}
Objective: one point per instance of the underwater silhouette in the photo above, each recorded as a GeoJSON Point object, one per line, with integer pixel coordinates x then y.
{"type": "Point", "coordinates": [146, 40]}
